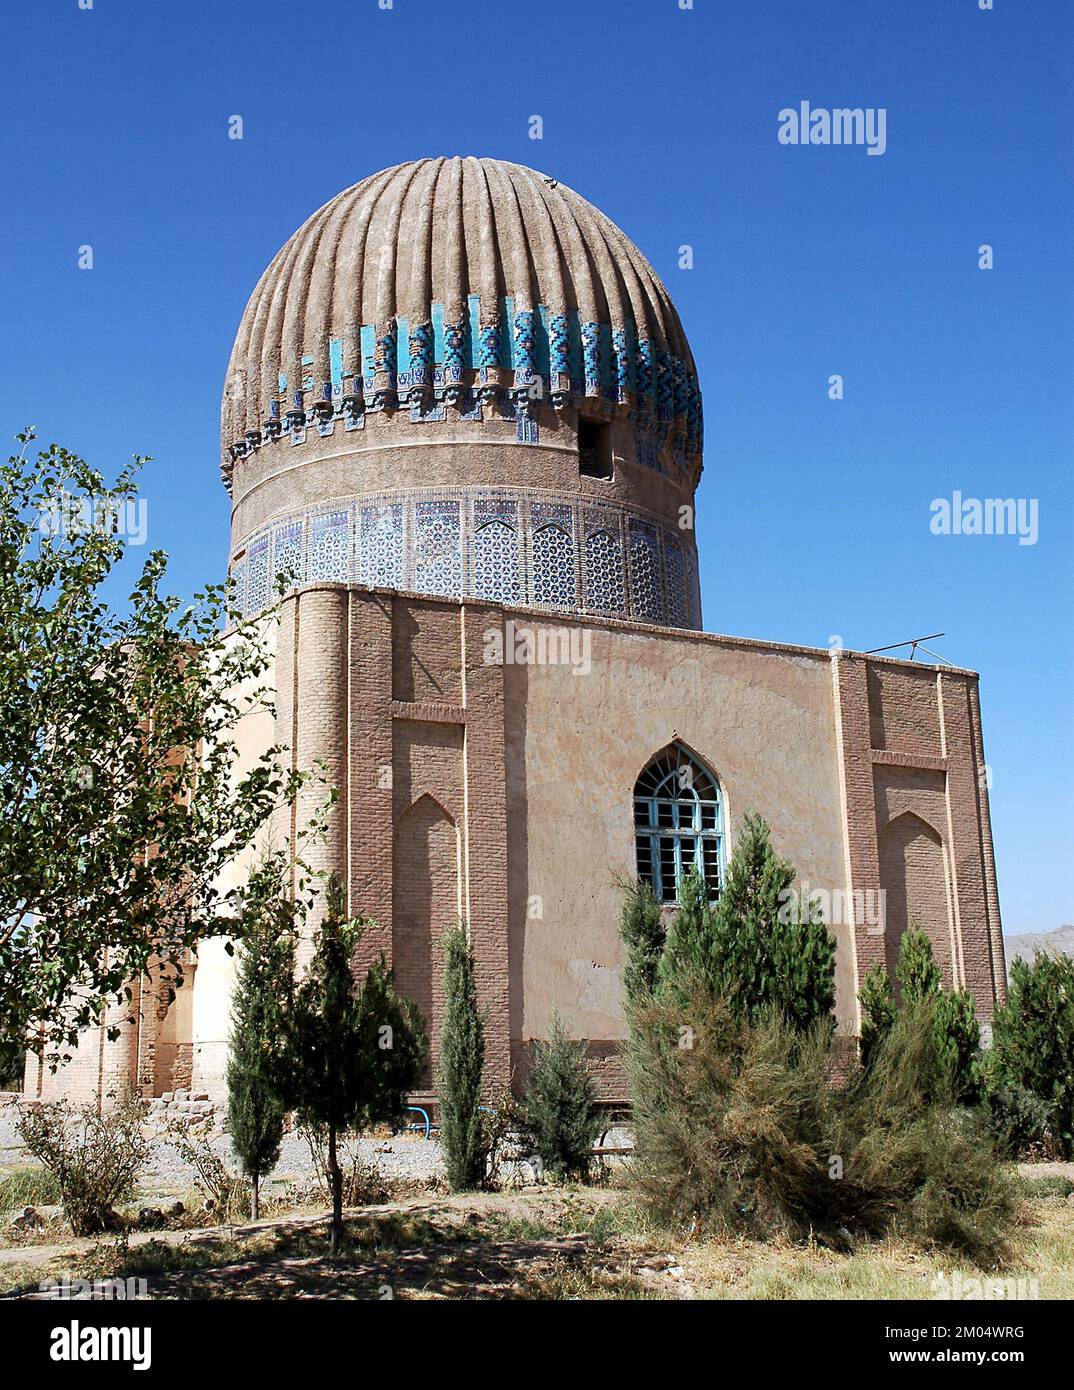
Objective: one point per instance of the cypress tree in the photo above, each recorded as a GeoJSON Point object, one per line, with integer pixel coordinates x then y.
{"type": "Point", "coordinates": [956, 1033]}
{"type": "Point", "coordinates": [641, 929]}
{"type": "Point", "coordinates": [255, 1109]}
{"type": "Point", "coordinates": [462, 1060]}
{"type": "Point", "coordinates": [559, 1112]}
{"type": "Point", "coordinates": [353, 1051]}
{"type": "Point", "coordinates": [1033, 1039]}
{"type": "Point", "coordinates": [752, 909]}
{"type": "Point", "coordinates": [760, 946]}
{"type": "Point", "coordinates": [916, 971]}
{"type": "Point", "coordinates": [691, 948]}
{"type": "Point", "coordinates": [877, 999]}
{"type": "Point", "coordinates": [803, 959]}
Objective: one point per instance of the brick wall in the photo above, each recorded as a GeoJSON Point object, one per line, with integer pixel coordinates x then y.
{"type": "Point", "coordinates": [874, 769]}
{"type": "Point", "coordinates": [408, 719]}
{"type": "Point", "coordinates": [916, 797]}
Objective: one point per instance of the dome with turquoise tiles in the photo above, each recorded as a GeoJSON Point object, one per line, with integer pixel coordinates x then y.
{"type": "Point", "coordinates": [438, 308]}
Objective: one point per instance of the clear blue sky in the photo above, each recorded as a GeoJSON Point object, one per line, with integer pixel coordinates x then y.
{"type": "Point", "coordinates": [813, 514]}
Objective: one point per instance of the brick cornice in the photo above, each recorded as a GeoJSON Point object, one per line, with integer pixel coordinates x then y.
{"type": "Point", "coordinates": [428, 711]}
{"type": "Point", "coordinates": [889, 757]}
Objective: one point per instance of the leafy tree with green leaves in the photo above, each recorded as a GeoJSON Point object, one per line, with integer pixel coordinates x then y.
{"type": "Point", "coordinates": [12, 1063]}
{"type": "Point", "coordinates": [255, 1109]}
{"type": "Point", "coordinates": [352, 1050]}
{"type": "Point", "coordinates": [558, 1113]}
{"type": "Point", "coordinates": [462, 1061]}
{"type": "Point", "coordinates": [642, 931]}
{"type": "Point", "coordinates": [1033, 1039]}
{"type": "Point", "coordinates": [122, 798]}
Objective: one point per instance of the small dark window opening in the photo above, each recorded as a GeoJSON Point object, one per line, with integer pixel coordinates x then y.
{"type": "Point", "coordinates": [594, 449]}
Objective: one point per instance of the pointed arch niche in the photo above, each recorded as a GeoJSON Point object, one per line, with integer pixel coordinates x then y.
{"type": "Point", "coordinates": [425, 903]}
{"type": "Point", "coordinates": [913, 875]}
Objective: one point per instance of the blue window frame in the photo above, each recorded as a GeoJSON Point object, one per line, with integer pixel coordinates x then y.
{"type": "Point", "coordinates": [678, 824]}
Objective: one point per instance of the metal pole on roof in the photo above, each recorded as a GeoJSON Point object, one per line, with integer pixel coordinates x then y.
{"type": "Point", "coordinates": [913, 643]}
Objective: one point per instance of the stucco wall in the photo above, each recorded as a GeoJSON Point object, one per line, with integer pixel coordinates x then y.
{"type": "Point", "coordinates": [762, 721]}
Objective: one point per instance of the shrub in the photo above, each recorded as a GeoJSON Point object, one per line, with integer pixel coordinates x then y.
{"type": "Point", "coordinates": [729, 1116]}
{"type": "Point", "coordinates": [916, 1161]}
{"type": "Point", "coordinates": [362, 1181]}
{"type": "Point", "coordinates": [223, 1191]}
{"type": "Point", "coordinates": [94, 1158]}
{"type": "Point", "coordinates": [462, 1060]}
{"type": "Point", "coordinates": [738, 1126]}
{"type": "Point", "coordinates": [500, 1128]}
{"type": "Point", "coordinates": [1017, 1118]}
{"type": "Point", "coordinates": [558, 1114]}
{"type": "Point", "coordinates": [1033, 1039]}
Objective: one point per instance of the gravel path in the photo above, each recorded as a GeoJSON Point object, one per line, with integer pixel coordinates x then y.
{"type": "Point", "coordinates": [398, 1157]}
{"type": "Point", "coordinates": [403, 1156]}
{"type": "Point", "coordinates": [407, 1156]}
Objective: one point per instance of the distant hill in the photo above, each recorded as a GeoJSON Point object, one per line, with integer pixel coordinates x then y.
{"type": "Point", "coordinates": [1024, 947]}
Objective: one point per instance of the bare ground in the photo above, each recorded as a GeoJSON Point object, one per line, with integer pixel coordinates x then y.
{"type": "Point", "coordinates": [557, 1243]}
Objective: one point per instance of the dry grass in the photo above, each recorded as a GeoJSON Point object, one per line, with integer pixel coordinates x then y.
{"type": "Point", "coordinates": [548, 1243]}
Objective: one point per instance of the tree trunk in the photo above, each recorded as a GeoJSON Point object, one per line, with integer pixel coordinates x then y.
{"type": "Point", "coordinates": [335, 1178]}
{"type": "Point", "coordinates": [255, 1209]}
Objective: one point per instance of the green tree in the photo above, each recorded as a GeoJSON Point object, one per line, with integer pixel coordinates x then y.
{"type": "Point", "coordinates": [122, 798]}
{"type": "Point", "coordinates": [1033, 1039]}
{"type": "Point", "coordinates": [352, 1051]}
{"type": "Point", "coordinates": [691, 945]}
{"type": "Point", "coordinates": [462, 1061]}
{"type": "Point", "coordinates": [12, 1063]}
{"type": "Point", "coordinates": [255, 1109]}
{"type": "Point", "coordinates": [916, 970]}
{"type": "Point", "coordinates": [761, 946]}
{"type": "Point", "coordinates": [642, 931]}
{"type": "Point", "coordinates": [878, 1009]}
{"type": "Point", "coordinates": [957, 1034]}
{"type": "Point", "coordinates": [558, 1113]}
{"type": "Point", "coordinates": [803, 964]}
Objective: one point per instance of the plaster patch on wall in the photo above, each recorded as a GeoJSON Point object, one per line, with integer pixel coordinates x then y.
{"type": "Point", "coordinates": [600, 987]}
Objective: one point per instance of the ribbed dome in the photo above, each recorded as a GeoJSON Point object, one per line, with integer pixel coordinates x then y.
{"type": "Point", "coordinates": [439, 245]}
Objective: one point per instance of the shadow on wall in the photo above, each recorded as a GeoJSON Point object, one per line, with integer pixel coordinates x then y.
{"type": "Point", "coordinates": [913, 877]}
{"type": "Point", "coordinates": [425, 904]}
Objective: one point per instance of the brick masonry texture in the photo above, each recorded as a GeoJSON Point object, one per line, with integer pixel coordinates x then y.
{"type": "Point", "coordinates": [501, 795]}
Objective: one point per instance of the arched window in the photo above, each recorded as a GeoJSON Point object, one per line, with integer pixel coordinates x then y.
{"type": "Point", "coordinates": [678, 824]}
